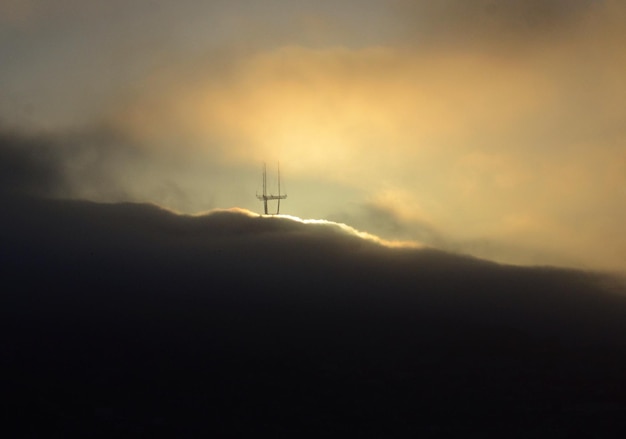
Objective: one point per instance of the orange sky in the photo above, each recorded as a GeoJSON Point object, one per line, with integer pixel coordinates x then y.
{"type": "Point", "coordinates": [490, 128]}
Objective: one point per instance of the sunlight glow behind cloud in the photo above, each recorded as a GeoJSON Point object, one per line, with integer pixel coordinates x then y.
{"type": "Point", "coordinates": [492, 128]}
{"type": "Point", "coordinates": [331, 225]}
{"type": "Point", "coordinates": [354, 232]}
{"type": "Point", "coordinates": [484, 144]}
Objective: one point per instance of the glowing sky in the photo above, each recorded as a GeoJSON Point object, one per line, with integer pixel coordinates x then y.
{"type": "Point", "coordinates": [495, 128]}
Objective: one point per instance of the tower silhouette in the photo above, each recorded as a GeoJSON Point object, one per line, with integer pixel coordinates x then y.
{"type": "Point", "coordinates": [265, 197]}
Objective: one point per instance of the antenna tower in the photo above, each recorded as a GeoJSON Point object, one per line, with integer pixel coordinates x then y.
{"type": "Point", "coordinates": [265, 197]}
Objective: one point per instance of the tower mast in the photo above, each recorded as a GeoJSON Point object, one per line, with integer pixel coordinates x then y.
{"type": "Point", "coordinates": [278, 202]}
{"type": "Point", "coordinates": [265, 197]}
{"type": "Point", "coordinates": [265, 187]}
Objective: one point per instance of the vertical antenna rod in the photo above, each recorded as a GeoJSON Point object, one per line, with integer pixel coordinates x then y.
{"type": "Point", "coordinates": [265, 187]}
{"type": "Point", "coordinates": [278, 206]}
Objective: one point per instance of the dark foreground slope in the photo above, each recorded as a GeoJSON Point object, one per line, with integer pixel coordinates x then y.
{"type": "Point", "coordinates": [129, 320]}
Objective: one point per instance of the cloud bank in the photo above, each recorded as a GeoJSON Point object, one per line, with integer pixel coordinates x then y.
{"type": "Point", "coordinates": [128, 317]}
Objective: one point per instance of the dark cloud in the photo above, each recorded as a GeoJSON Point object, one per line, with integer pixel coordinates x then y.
{"type": "Point", "coordinates": [498, 22]}
{"type": "Point", "coordinates": [57, 164]}
{"type": "Point", "coordinates": [28, 165]}
{"type": "Point", "coordinates": [102, 164]}
{"type": "Point", "coordinates": [122, 318]}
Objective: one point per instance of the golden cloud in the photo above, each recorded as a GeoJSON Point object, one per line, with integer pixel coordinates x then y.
{"type": "Point", "coordinates": [526, 148]}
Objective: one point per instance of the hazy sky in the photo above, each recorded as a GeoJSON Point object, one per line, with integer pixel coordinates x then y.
{"type": "Point", "coordinates": [495, 128]}
{"type": "Point", "coordinates": [410, 134]}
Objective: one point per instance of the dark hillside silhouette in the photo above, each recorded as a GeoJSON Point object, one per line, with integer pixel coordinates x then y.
{"type": "Point", "coordinates": [128, 319]}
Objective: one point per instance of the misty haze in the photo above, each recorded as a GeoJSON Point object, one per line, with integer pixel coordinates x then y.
{"type": "Point", "coordinates": [450, 261]}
